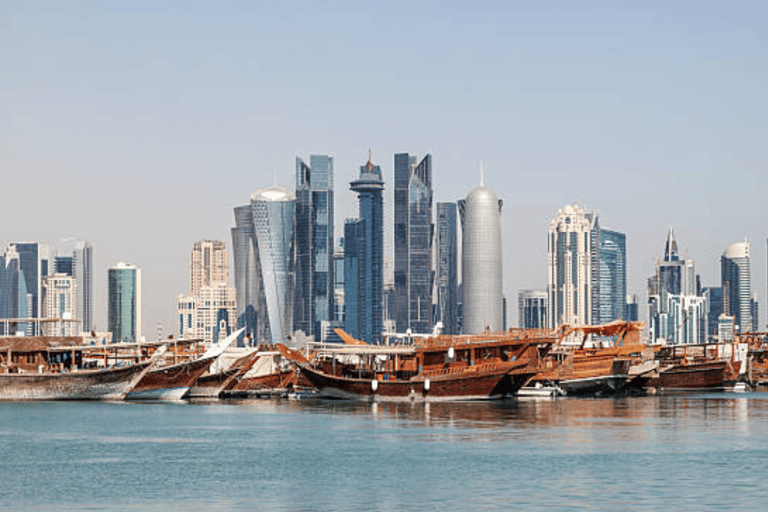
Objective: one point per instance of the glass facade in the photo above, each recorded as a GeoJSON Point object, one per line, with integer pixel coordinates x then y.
{"type": "Point", "coordinates": [124, 303]}
{"type": "Point", "coordinates": [736, 284]}
{"type": "Point", "coordinates": [413, 233]}
{"type": "Point", "coordinates": [482, 277]}
{"type": "Point", "coordinates": [612, 281]}
{"type": "Point", "coordinates": [314, 296]}
{"type": "Point", "coordinates": [447, 268]}
{"type": "Point", "coordinates": [532, 309]}
{"type": "Point", "coordinates": [33, 263]}
{"type": "Point", "coordinates": [274, 211]}
{"type": "Point", "coordinates": [366, 310]}
{"type": "Point", "coordinates": [248, 295]}
{"type": "Point", "coordinates": [13, 292]}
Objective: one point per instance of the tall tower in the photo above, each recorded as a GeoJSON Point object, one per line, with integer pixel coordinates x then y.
{"type": "Point", "coordinates": [572, 258]}
{"type": "Point", "coordinates": [612, 276]}
{"type": "Point", "coordinates": [60, 302]}
{"type": "Point", "coordinates": [413, 243]}
{"type": "Point", "coordinates": [482, 277]}
{"type": "Point", "coordinates": [274, 211]}
{"type": "Point", "coordinates": [313, 301]}
{"type": "Point", "coordinates": [33, 263]}
{"type": "Point", "coordinates": [736, 284]}
{"type": "Point", "coordinates": [447, 268]}
{"type": "Point", "coordinates": [208, 265]}
{"type": "Point", "coordinates": [532, 309]}
{"type": "Point", "coordinates": [368, 279]}
{"type": "Point", "coordinates": [13, 292]}
{"type": "Point", "coordinates": [82, 268]}
{"type": "Point", "coordinates": [124, 303]}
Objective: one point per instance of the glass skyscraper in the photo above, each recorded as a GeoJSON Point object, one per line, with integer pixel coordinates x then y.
{"type": "Point", "coordinates": [736, 284]}
{"type": "Point", "coordinates": [33, 263]}
{"type": "Point", "coordinates": [247, 290]}
{"type": "Point", "coordinates": [532, 309]}
{"type": "Point", "coordinates": [364, 258]}
{"type": "Point", "coordinates": [314, 296]}
{"type": "Point", "coordinates": [612, 276]}
{"type": "Point", "coordinates": [274, 211]}
{"type": "Point", "coordinates": [13, 292]}
{"type": "Point", "coordinates": [413, 233]}
{"type": "Point", "coordinates": [447, 268]}
{"type": "Point", "coordinates": [124, 303]}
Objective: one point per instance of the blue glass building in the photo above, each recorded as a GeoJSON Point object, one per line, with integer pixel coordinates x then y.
{"type": "Point", "coordinates": [611, 287]}
{"type": "Point", "coordinates": [124, 303]}
{"type": "Point", "coordinates": [13, 292]}
{"type": "Point", "coordinates": [364, 283]}
{"type": "Point", "coordinates": [413, 232]}
{"type": "Point", "coordinates": [447, 268]}
{"type": "Point", "coordinates": [314, 289]}
{"type": "Point", "coordinates": [736, 284]}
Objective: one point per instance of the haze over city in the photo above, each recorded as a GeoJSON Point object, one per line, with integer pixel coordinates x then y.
{"type": "Point", "coordinates": [138, 127]}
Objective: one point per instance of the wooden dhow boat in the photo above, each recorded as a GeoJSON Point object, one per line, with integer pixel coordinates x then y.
{"type": "Point", "coordinates": [596, 364]}
{"type": "Point", "coordinates": [172, 382]}
{"type": "Point", "coordinates": [223, 374]}
{"type": "Point", "coordinates": [48, 368]}
{"type": "Point", "coordinates": [695, 368]}
{"type": "Point", "coordinates": [433, 368]}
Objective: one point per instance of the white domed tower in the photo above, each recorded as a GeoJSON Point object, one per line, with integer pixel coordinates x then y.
{"type": "Point", "coordinates": [481, 267]}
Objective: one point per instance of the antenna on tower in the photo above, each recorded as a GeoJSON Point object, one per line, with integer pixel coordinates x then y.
{"type": "Point", "coordinates": [481, 174]}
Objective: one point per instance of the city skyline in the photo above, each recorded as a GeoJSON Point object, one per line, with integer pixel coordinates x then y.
{"type": "Point", "coordinates": [596, 104]}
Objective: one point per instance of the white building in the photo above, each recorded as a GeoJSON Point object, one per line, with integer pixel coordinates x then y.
{"type": "Point", "coordinates": [208, 264]}
{"type": "Point", "coordinates": [60, 301]}
{"type": "Point", "coordinates": [571, 254]}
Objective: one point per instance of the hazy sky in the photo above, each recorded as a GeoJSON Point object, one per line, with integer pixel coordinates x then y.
{"type": "Point", "coordinates": [140, 125]}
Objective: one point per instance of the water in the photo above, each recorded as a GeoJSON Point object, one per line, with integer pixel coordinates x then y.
{"type": "Point", "coordinates": [705, 452]}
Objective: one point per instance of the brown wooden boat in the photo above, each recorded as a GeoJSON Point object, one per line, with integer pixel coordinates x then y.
{"type": "Point", "coordinates": [44, 368]}
{"type": "Point", "coordinates": [703, 367]}
{"type": "Point", "coordinates": [693, 376]}
{"type": "Point", "coordinates": [600, 368]}
{"type": "Point", "coordinates": [211, 385]}
{"type": "Point", "coordinates": [435, 368]}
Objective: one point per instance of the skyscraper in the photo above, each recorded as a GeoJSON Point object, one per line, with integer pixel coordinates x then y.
{"type": "Point", "coordinates": [79, 265]}
{"type": "Point", "coordinates": [274, 212]}
{"type": "Point", "coordinates": [248, 291]}
{"type": "Point", "coordinates": [736, 283]}
{"type": "Point", "coordinates": [714, 296]}
{"type": "Point", "coordinates": [532, 309]}
{"type": "Point", "coordinates": [447, 268]}
{"type": "Point", "coordinates": [33, 263]}
{"type": "Point", "coordinates": [13, 292]}
{"type": "Point", "coordinates": [209, 264]}
{"type": "Point", "coordinates": [209, 311]}
{"type": "Point", "coordinates": [364, 284]}
{"type": "Point", "coordinates": [60, 302]}
{"type": "Point", "coordinates": [313, 301]}
{"type": "Point", "coordinates": [124, 303]}
{"type": "Point", "coordinates": [482, 277]}
{"type": "Point", "coordinates": [572, 256]}
{"type": "Point", "coordinates": [612, 276]}
{"type": "Point", "coordinates": [413, 243]}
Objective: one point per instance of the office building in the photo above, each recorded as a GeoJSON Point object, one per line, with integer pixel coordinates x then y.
{"type": "Point", "coordinates": [413, 232]}
{"type": "Point", "coordinates": [13, 293]}
{"type": "Point", "coordinates": [78, 264]}
{"type": "Point", "coordinates": [633, 308]}
{"type": "Point", "coordinates": [209, 312]}
{"type": "Point", "coordinates": [736, 284]}
{"type": "Point", "coordinates": [714, 296]}
{"type": "Point", "coordinates": [124, 303]}
{"type": "Point", "coordinates": [532, 309]}
{"type": "Point", "coordinates": [364, 258]}
{"type": "Point", "coordinates": [314, 290]}
{"type": "Point", "coordinates": [33, 264]}
{"type": "Point", "coordinates": [60, 301]}
{"type": "Point", "coordinates": [208, 264]}
{"type": "Point", "coordinates": [611, 287]}
{"type": "Point", "coordinates": [249, 295]}
{"type": "Point", "coordinates": [572, 256]}
{"type": "Point", "coordinates": [481, 268]}
{"type": "Point", "coordinates": [446, 266]}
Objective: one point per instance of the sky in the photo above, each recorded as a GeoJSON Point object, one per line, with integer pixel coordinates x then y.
{"type": "Point", "coordinates": [138, 126]}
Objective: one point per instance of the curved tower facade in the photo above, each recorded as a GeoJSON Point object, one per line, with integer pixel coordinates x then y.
{"type": "Point", "coordinates": [736, 282]}
{"type": "Point", "coordinates": [274, 210]}
{"type": "Point", "coordinates": [481, 267]}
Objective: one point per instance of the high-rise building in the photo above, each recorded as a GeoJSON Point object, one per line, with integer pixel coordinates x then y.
{"type": "Point", "coordinates": [364, 258]}
{"type": "Point", "coordinates": [33, 263]}
{"type": "Point", "coordinates": [249, 295]}
{"type": "Point", "coordinates": [209, 265]}
{"type": "Point", "coordinates": [611, 290]}
{"type": "Point", "coordinates": [413, 243]}
{"type": "Point", "coordinates": [446, 278]}
{"type": "Point", "coordinates": [532, 309]}
{"type": "Point", "coordinates": [314, 290]}
{"type": "Point", "coordinates": [714, 296]}
{"type": "Point", "coordinates": [633, 309]}
{"type": "Point", "coordinates": [754, 307]}
{"type": "Point", "coordinates": [572, 254]}
{"type": "Point", "coordinates": [274, 212]}
{"type": "Point", "coordinates": [79, 265]}
{"type": "Point", "coordinates": [60, 302]}
{"type": "Point", "coordinates": [482, 276]}
{"type": "Point", "coordinates": [124, 303]}
{"type": "Point", "coordinates": [209, 312]}
{"type": "Point", "coordinates": [736, 283]}
{"type": "Point", "coordinates": [13, 293]}
{"type": "Point", "coordinates": [63, 265]}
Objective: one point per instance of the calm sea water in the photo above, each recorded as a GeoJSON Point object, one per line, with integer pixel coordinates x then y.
{"type": "Point", "coordinates": [705, 452]}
